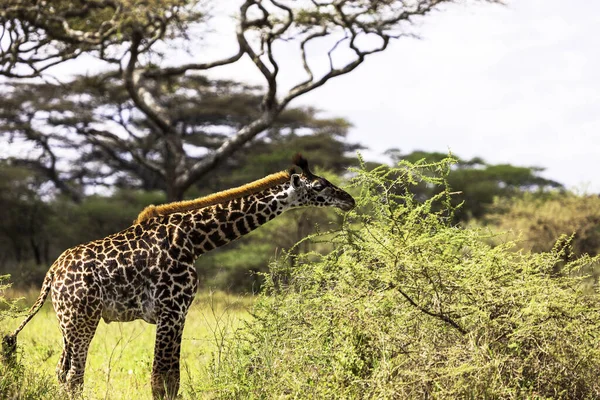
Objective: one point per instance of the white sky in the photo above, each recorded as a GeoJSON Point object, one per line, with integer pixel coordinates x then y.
{"type": "Point", "coordinates": [516, 84]}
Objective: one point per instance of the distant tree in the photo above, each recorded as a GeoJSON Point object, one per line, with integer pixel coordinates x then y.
{"type": "Point", "coordinates": [89, 132]}
{"type": "Point", "coordinates": [96, 216]}
{"type": "Point", "coordinates": [24, 217]}
{"type": "Point", "coordinates": [35, 229]}
{"type": "Point", "coordinates": [135, 41]}
{"type": "Point", "coordinates": [477, 182]}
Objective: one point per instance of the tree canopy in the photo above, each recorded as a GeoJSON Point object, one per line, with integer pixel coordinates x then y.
{"type": "Point", "coordinates": [477, 182]}
{"type": "Point", "coordinates": [89, 132]}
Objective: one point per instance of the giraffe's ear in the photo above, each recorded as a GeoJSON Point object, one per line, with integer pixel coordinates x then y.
{"type": "Point", "coordinates": [303, 164]}
{"type": "Point", "coordinates": [295, 181]}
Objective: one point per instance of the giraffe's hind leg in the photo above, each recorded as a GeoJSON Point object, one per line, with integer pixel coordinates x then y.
{"type": "Point", "coordinates": [76, 338]}
{"type": "Point", "coordinates": [78, 317]}
{"type": "Point", "coordinates": [64, 363]}
{"type": "Point", "coordinates": [165, 368]}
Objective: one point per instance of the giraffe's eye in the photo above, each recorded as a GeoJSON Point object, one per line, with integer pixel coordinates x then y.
{"type": "Point", "coordinates": [318, 186]}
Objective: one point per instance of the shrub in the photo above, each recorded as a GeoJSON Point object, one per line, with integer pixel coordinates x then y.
{"type": "Point", "coordinates": [409, 306]}
{"type": "Point", "coordinates": [7, 308]}
{"type": "Point", "coordinates": [19, 382]}
{"type": "Point", "coordinates": [537, 222]}
{"type": "Point", "coordinates": [541, 220]}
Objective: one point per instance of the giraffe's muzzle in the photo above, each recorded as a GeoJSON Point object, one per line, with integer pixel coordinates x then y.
{"type": "Point", "coordinates": [347, 203]}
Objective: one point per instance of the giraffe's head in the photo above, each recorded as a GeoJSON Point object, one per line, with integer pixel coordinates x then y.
{"type": "Point", "coordinates": [312, 190]}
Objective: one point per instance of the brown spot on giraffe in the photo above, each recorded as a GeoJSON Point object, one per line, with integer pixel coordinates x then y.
{"type": "Point", "coordinates": [147, 270]}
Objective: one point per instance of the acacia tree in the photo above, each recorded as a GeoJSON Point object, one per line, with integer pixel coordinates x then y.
{"type": "Point", "coordinates": [132, 36]}
{"type": "Point", "coordinates": [91, 131]}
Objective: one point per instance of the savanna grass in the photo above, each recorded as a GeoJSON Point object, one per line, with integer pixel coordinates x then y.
{"type": "Point", "coordinates": [120, 356]}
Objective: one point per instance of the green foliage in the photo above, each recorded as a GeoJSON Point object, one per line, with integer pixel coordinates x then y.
{"type": "Point", "coordinates": [541, 220]}
{"type": "Point", "coordinates": [477, 182]}
{"type": "Point", "coordinates": [23, 214]}
{"type": "Point", "coordinates": [34, 233]}
{"type": "Point", "coordinates": [7, 308]}
{"type": "Point", "coordinates": [98, 216]}
{"type": "Point", "coordinates": [409, 306]}
{"type": "Point", "coordinates": [114, 20]}
{"type": "Point", "coordinates": [537, 222]}
{"type": "Point", "coordinates": [17, 382]}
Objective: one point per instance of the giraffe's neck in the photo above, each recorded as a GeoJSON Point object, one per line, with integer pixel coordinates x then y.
{"type": "Point", "coordinates": [217, 225]}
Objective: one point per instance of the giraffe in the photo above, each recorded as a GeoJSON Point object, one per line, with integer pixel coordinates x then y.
{"type": "Point", "coordinates": [147, 270]}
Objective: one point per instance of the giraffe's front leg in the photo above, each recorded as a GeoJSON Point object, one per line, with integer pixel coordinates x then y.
{"type": "Point", "coordinates": [165, 369]}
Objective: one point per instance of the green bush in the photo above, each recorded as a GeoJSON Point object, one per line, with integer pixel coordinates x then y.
{"type": "Point", "coordinates": [409, 306]}
{"type": "Point", "coordinates": [7, 308]}
{"type": "Point", "coordinates": [19, 382]}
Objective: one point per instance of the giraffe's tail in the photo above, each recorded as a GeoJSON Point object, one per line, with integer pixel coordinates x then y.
{"type": "Point", "coordinates": [9, 342]}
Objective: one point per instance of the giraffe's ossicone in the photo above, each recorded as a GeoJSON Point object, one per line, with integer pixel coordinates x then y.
{"type": "Point", "coordinates": [147, 270]}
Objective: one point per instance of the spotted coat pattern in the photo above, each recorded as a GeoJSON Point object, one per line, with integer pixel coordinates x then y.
{"type": "Point", "coordinates": [147, 272]}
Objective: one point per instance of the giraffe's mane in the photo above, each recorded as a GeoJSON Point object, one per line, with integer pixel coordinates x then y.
{"type": "Point", "coordinates": [215, 198]}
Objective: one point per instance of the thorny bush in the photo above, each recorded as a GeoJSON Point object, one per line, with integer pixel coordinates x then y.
{"type": "Point", "coordinates": [409, 306]}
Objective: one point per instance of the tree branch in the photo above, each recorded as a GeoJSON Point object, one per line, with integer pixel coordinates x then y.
{"type": "Point", "coordinates": [180, 70]}
{"type": "Point", "coordinates": [269, 99]}
{"type": "Point", "coordinates": [50, 171]}
{"type": "Point", "coordinates": [441, 316]}
{"type": "Point", "coordinates": [116, 144]}
{"type": "Point", "coordinates": [204, 166]}
{"type": "Point", "coordinates": [142, 98]}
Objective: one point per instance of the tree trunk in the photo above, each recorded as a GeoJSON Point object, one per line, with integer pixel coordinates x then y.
{"type": "Point", "coordinates": [37, 253]}
{"type": "Point", "coordinates": [47, 260]}
{"type": "Point", "coordinates": [173, 193]}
